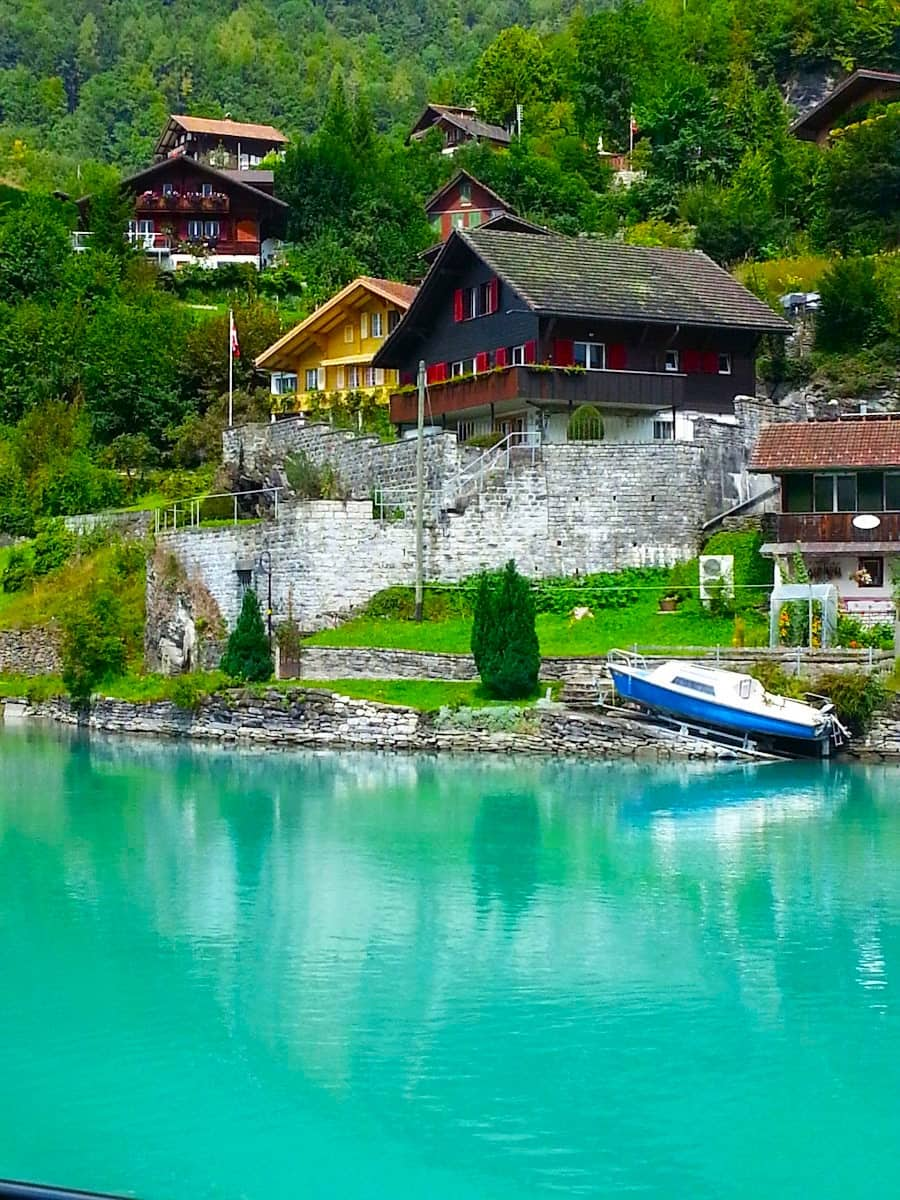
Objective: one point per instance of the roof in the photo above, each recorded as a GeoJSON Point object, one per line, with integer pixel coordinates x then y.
{"type": "Point", "coordinates": [603, 279]}
{"type": "Point", "coordinates": [254, 176]}
{"type": "Point", "coordinates": [465, 119]}
{"type": "Point", "coordinates": [278, 356]}
{"type": "Point", "coordinates": [506, 220]}
{"type": "Point", "coordinates": [846, 95]}
{"type": "Point", "coordinates": [454, 180]}
{"type": "Point", "coordinates": [234, 178]}
{"type": "Point", "coordinates": [858, 442]}
{"type": "Point", "coordinates": [227, 128]}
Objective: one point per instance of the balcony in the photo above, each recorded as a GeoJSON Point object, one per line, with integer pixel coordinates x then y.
{"type": "Point", "coordinates": [833, 528]}
{"type": "Point", "coordinates": [156, 245]}
{"type": "Point", "coordinates": [192, 202]}
{"type": "Point", "coordinates": [549, 387]}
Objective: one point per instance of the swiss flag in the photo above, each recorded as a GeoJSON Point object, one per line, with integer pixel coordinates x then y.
{"type": "Point", "coordinates": [235, 344]}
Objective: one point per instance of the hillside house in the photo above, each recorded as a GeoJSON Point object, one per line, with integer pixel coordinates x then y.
{"type": "Point", "coordinates": [857, 90]}
{"type": "Point", "coordinates": [457, 126]}
{"type": "Point", "coordinates": [464, 202]}
{"type": "Point", "coordinates": [226, 145]}
{"type": "Point", "coordinates": [332, 351]}
{"type": "Point", "coordinates": [840, 505]}
{"type": "Point", "coordinates": [519, 330]}
{"type": "Point", "coordinates": [186, 211]}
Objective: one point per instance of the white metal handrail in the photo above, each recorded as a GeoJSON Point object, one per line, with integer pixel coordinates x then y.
{"type": "Point", "coordinates": [495, 458]}
{"type": "Point", "coordinates": [190, 509]}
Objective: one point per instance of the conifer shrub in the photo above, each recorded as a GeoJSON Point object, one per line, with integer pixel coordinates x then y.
{"type": "Point", "coordinates": [18, 573]}
{"type": "Point", "coordinates": [585, 425]}
{"type": "Point", "coordinates": [247, 655]}
{"type": "Point", "coordinates": [504, 640]}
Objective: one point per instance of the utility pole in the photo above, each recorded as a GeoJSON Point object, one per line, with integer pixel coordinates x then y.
{"type": "Point", "coordinates": [420, 491]}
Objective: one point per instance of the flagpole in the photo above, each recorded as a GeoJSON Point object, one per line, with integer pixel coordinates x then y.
{"type": "Point", "coordinates": [230, 367]}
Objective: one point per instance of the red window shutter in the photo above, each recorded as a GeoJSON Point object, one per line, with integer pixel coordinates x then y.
{"type": "Point", "coordinates": [616, 357]}
{"type": "Point", "coordinates": [531, 352]}
{"type": "Point", "coordinates": [501, 357]}
{"type": "Point", "coordinates": [436, 373]}
{"type": "Point", "coordinates": [710, 363]}
{"type": "Point", "coordinates": [494, 295]}
{"type": "Point", "coordinates": [482, 362]}
{"type": "Point", "coordinates": [563, 352]}
{"type": "Point", "coordinates": [690, 362]}
{"type": "Point", "coordinates": [458, 302]}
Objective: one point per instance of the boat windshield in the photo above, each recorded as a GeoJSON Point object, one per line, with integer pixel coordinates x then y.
{"type": "Point", "coordinates": [694, 684]}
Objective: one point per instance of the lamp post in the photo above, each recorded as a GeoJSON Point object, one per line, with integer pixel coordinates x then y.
{"type": "Point", "coordinates": [265, 564]}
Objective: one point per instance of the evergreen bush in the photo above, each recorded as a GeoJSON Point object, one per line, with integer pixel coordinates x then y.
{"type": "Point", "coordinates": [247, 655]}
{"type": "Point", "coordinates": [585, 425]}
{"type": "Point", "coordinates": [504, 640]}
{"type": "Point", "coordinates": [93, 644]}
{"type": "Point", "coordinates": [18, 573]}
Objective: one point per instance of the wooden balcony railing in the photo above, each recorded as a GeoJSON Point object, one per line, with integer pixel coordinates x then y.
{"type": "Point", "coordinates": [186, 202]}
{"type": "Point", "coordinates": [554, 387]}
{"type": "Point", "coordinates": [836, 527]}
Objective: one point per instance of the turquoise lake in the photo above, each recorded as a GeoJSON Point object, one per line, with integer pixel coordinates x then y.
{"type": "Point", "coordinates": [266, 975]}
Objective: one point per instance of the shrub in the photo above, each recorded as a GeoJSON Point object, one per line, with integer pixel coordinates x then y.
{"type": "Point", "coordinates": [605, 589]}
{"type": "Point", "coordinates": [53, 546]}
{"type": "Point", "coordinates": [248, 656]}
{"type": "Point", "coordinates": [313, 481]}
{"type": "Point", "coordinates": [440, 604]}
{"type": "Point", "coordinates": [484, 441]}
{"type": "Point", "coordinates": [856, 697]}
{"type": "Point", "coordinates": [585, 425]}
{"type": "Point", "coordinates": [188, 693]}
{"type": "Point", "coordinates": [853, 311]}
{"type": "Point", "coordinates": [19, 572]}
{"type": "Point", "coordinates": [853, 634]}
{"type": "Point", "coordinates": [504, 641]}
{"type": "Point", "coordinates": [93, 644]}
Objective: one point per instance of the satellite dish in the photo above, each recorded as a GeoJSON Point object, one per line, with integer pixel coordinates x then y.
{"type": "Point", "coordinates": [866, 521]}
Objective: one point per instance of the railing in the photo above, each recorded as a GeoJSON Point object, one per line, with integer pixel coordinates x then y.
{"type": "Point", "coordinates": [836, 527]}
{"type": "Point", "coordinates": [524, 445]}
{"type": "Point", "coordinates": [187, 202]}
{"type": "Point", "coordinates": [219, 506]}
{"type": "Point", "coordinates": [150, 243]}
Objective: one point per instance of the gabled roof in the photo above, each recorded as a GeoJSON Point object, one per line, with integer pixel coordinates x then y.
{"type": "Point", "coordinates": [457, 178]}
{"type": "Point", "coordinates": [228, 128]}
{"type": "Point", "coordinates": [279, 355]}
{"type": "Point", "coordinates": [506, 220]}
{"type": "Point", "coordinates": [465, 119]}
{"type": "Point", "coordinates": [223, 177]}
{"type": "Point", "coordinates": [851, 442]}
{"type": "Point", "coordinates": [850, 92]}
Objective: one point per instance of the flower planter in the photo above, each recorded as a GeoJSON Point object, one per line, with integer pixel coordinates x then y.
{"type": "Point", "coordinates": [668, 604]}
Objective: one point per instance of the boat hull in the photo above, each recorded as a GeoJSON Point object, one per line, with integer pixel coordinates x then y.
{"type": "Point", "coordinates": [633, 686]}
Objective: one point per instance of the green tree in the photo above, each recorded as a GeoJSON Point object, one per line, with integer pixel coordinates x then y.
{"type": "Point", "coordinates": [514, 69]}
{"type": "Point", "coordinates": [858, 207]}
{"type": "Point", "coordinates": [248, 656]}
{"type": "Point", "coordinates": [853, 309]}
{"type": "Point", "coordinates": [93, 646]}
{"type": "Point", "coordinates": [504, 640]}
{"type": "Point", "coordinates": [34, 248]}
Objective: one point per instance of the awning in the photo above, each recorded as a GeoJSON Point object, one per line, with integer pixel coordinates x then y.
{"type": "Point", "coordinates": [773, 549]}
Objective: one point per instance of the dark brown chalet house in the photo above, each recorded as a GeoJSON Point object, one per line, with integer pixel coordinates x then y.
{"type": "Point", "coordinates": [517, 330]}
{"type": "Point", "coordinates": [861, 88]}
{"type": "Point", "coordinates": [188, 209]}
{"type": "Point", "coordinates": [840, 506]}
{"type": "Point", "coordinates": [457, 126]}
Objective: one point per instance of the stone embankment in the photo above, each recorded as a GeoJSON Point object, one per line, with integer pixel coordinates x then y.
{"type": "Point", "coordinates": [307, 717]}
{"type": "Point", "coordinates": [882, 742]}
{"type": "Point", "coordinates": [32, 651]}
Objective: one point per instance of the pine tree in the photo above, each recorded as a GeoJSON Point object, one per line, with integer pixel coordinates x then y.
{"type": "Point", "coordinates": [248, 656]}
{"type": "Point", "coordinates": [504, 640]}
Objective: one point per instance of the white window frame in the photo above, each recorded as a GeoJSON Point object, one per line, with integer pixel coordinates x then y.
{"type": "Point", "coordinates": [369, 376]}
{"type": "Point", "coordinates": [212, 229]}
{"type": "Point", "coordinates": [376, 324]}
{"type": "Point", "coordinates": [592, 350]}
{"type": "Point", "coordinates": [341, 378]}
{"type": "Point", "coordinates": [195, 229]}
{"type": "Point", "coordinates": [465, 192]}
{"type": "Point", "coordinates": [284, 383]}
{"type": "Point", "coordinates": [349, 333]}
{"type": "Point", "coordinates": [311, 378]}
{"type": "Point", "coordinates": [457, 369]}
{"type": "Point", "coordinates": [363, 326]}
{"type": "Point", "coordinates": [144, 226]}
{"type": "Point", "coordinates": [168, 189]}
{"type": "Point", "coordinates": [518, 356]}
{"type": "Point", "coordinates": [725, 364]}
{"type": "Point", "coordinates": [458, 221]}
{"type": "Point", "coordinates": [673, 361]}
{"type": "Point", "coordinates": [663, 429]}
{"type": "Point", "coordinates": [353, 377]}
{"type": "Point", "coordinates": [206, 189]}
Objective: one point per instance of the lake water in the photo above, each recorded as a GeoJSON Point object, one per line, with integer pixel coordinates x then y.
{"type": "Point", "coordinates": [256, 975]}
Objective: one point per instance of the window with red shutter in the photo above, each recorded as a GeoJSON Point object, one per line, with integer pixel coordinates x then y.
{"type": "Point", "coordinates": [458, 302]}
{"type": "Point", "coordinates": [616, 357]}
{"type": "Point", "coordinates": [482, 362]}
{"type": "Point", "coordinates": [436, 372]}
{"type": "Point", "coordinates": [710, 363]}
{"type": "Point", "coordinates": [494, 295]}
{"type": "Point", "coordinates": [563, 353]}
{"type": "Point", "coordinates": [690, 360]}
{"type": "Point", "coordinates": [501, 357]}
{"type": "Point", "coordinates": [531, 352]}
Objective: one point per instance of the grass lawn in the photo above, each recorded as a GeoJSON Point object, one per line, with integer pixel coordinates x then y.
{"type": "Point", "coordinates": [640, 624]}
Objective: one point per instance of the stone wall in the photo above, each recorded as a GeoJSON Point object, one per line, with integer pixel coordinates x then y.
{"type": "Point", "coordinates": [33, 651]}
{"type": "Point", "coordinates": [882, 742]}
{"type": "Point", "coordinates": [307, 717]}
{"type": "Point", "coordinates": [127, 524]}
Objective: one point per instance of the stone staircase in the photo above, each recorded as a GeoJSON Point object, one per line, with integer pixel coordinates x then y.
{"type": "Point", "coordinates": [583, 689]}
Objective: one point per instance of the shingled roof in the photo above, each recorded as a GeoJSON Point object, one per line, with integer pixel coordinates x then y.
{"type": "Point", "coordinates": [852, 442]}
{"type": "Point", "coordinates": [604, 279]}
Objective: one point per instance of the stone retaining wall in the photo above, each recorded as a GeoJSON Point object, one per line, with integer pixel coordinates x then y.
{"type": "Point", "coordinates": [128, 524]}
{"type": "Point", "coordinates": [313, 718]}
{"type": "Point", "coordinates": [32, 651]}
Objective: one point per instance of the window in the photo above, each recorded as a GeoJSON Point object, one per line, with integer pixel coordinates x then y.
{"type": "Point", "coordinates": [341, 378]}
{"type": "Point", "coordinates": [465, 192]}
{"type": "Point", "coordinates": [369, 376]}
{"type": "Point", "coordinates": [478, 301]}
{"type": "Point", "coordinates": [845, 493]}
{"type": "Point", "coordinates": [349, 333]}
{"type": "Point", "coordinates": [464, 366]}
{"type": "Point", "coordinates": [663, 430]}
{"type": "Point", "coordinates": [312, 379]}
{"type": "Point", "coordinates": [393, 320]}
{"type": "Point", "coordinates": [892, 491]}
{"type": "Point", "coordinates": [590, 355]}
{"type": "Point", "coordinates": [870, 491]}
{"type": "Point", "coordinates": [245, 579]}
{"type": "Point", "coordinates": [518, 356]}
{"type": "Point", "coordinates": [195, 229]}
{"type": "Point", "coordinates": [474, 218]}
{"type": "Point", "coordinates": [211, 229]}
{"type": "Point", "coordinates": [724, 364]}
{"type": "Point", "coordinates": [695, 685]}
{"type": "Point", "coordinates": [834, 493]}
{"type": "Point", "coordinates": [870, 572]}
{"type": "Point", "coordinates": [145, 227]}
{"type": "Point", "coordinates": [168, 189]}
{"type": "Point", "coordinates": [467, 429]}
{"type": "Point", "coordinates": [672, 358]}
{"type": "Point", "coordinates": [205, 189]}
{"type": "Point", "coordinates": [377, 325]}
{"type": "Point", "coordinates": [459, 221]}
{"type": "Point", "coordinates": [354, 377]}
{"type": "Point", "coordinates": [283, 383]}
{"type": "Point", "coordinates": [797, 493]}
{"type": "Point", "coordinates": [363, 325]}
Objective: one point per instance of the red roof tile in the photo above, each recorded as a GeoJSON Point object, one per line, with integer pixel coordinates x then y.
{"type": "Point", "coordinates": [822, 445]}
{"type": "Point", "coordinates": [403, 293]}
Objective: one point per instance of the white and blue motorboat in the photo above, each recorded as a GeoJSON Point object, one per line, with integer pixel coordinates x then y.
{"type": "Point", "coordinates": [712, 698]}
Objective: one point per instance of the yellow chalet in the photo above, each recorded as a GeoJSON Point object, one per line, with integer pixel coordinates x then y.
{"type": "Point", "coordinates": [332, 350]}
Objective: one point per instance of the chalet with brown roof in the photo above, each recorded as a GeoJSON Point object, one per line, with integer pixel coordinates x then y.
{"type": "Point", "coordinates": [861, 88]}
{"type": "Point", "coordinates": [840, 505]}
{"type": "Point", "coordinates": [457, 126]}
{"type": "Point", "coordinates": [226, 145]}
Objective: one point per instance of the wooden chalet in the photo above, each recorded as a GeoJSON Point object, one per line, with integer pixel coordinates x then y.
{"type": "Point", "coordinates": [517, 330]}
{"type": "Point", "coordinates": [861, 88]}
{"type": "Point", "coordinates": [457, 126]}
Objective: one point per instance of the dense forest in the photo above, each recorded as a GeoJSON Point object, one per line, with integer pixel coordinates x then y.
{"type": "Point", "coordinates": [134, 378]}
